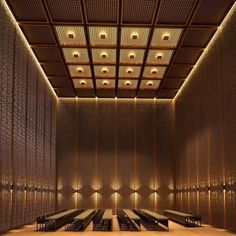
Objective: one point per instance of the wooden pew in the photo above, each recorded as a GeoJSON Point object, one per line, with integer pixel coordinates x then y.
{"type": "Point", "coordinates": [107, 220]}
{"type": "Point", "coordinates": [183, 218]}
{"type": "Point", "coordinates": [135, 219]}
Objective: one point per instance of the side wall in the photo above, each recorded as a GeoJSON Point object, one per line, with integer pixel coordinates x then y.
{"type": "Point", "coordinates": [115, 154]}
{"type": "Point", "coordinates": [27, 132]}
{"type": "Point", "coordinates": [205, 131]}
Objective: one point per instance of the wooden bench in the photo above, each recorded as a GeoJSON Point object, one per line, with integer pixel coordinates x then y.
{"type": "Point", "coordinates": [133, 218]}
{"type": "Point", "coordinates": [183, 218]}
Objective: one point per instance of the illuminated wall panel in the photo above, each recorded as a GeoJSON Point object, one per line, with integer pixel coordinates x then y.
{"type": "Point", "coordinates": [204, 132]}
{"type": "Point", "coordinates": [25, 147]}
{"type": "Point", "coordinates": [118, 153]}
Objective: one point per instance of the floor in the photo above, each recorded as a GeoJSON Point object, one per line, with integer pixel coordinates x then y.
{"type": "Point", "coordinates": [174, 230]}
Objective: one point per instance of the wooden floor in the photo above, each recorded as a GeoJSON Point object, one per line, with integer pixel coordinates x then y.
{"type": "Point", "coordinates": [175, 230]}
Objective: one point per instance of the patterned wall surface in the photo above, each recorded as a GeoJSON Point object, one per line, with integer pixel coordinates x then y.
{"type": "Point", "coordinates": [117, 153]}
{"type": "Point", "coordinates": [27, 132]}
{"type": "Point", "coordinates": [205, 130]}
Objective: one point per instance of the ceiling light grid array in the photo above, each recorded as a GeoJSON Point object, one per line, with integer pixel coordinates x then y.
{"type": "Point", "coordinates": [103, 42]}
{"type": "Point", "coordinates": [159, 43]}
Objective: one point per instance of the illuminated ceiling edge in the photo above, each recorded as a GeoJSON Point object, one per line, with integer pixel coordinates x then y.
{"type": "Point", "coordinates": [210, 44]}
{"type": "Point", "coordinates": [29, 48]}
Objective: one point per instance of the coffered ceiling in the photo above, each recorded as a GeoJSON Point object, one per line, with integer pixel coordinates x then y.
{"type": "Point", "coordinates": [118, 48]}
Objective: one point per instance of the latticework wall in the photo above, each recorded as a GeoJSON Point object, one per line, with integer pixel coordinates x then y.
{"type": "Point", "coordinates": [205, 130]}
{"type": "Point", "coordinates": [27, 132]}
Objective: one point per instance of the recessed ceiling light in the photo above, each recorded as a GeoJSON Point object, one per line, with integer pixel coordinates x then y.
{"type": "Point", "coordinates": [80, 70]}
{"type": "Point", "coordinates": [154, 71]}
{"type": "Point", "coordinates": [159, 56]}
{"type": "Point", "coordinates": [134, 36]}
{"type": "Point", "coordinates": [165, 37]}
{"type": "Point", "coordinates": [104, 55]}
{"type": "Point", "coordinates": [70, 35]}
{"type": "Point", "coordinates": [129, 70]}
{"type": "Point", "coordinates": [105, 82]}
{"type": "Point", "coordinates": [82, 82]}
{"type": "Point", "coordinates": [127, 83]}
{"type": "Point", "coordinates": [104, 70]}
{"type": "Point", "coordinates": [131, 55]}
{"type": "Point", "coordinates": [103, 35]}
{"type": "Point", "coordinates": [76, 54]}
{"type": "Point", "coordinates": [149, 83]}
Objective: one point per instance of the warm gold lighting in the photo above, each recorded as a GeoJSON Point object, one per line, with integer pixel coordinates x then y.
{"type": "Point", "coordinates": [154, 71]}
{"type": "Point", "coordinates": [104, 70]}
{"type": "Point", "coordinates": [103, 35]}
{"type": "Point", "coordinates": [131, 55]}
{"type": "Point", "coordinates": [80, 70]}
{"type": "Point", "coordinates": [134, 36]}
{"type": "Point", "coordinates": [165, 37]}
{"type": "Point", "coordinates": [104, 55]}
{"type": "Point", "coordinates": [82, 82]}
{"type": "Point", "coordinates": [149, 83]}
{"type": "Point", "coordinates": [76, 54]}
{"type": "Point", "coordinates": [105, 82]}
{"type": "Point", "coordinates": [159, 56]}
{"type": "Point", "coordinates": [127, 83]}
{"type": "Point", "coordinates": [71, 35]}
{"type": "Point", "coordinates": [129, 70]}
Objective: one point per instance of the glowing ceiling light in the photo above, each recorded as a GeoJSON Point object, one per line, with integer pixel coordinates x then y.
{"type": "Point", "coordinates": [129, 70]}
{"type": "Point", "coordinates": [154, 71]}
{"type": "Point", "coordinates": [105, 82]}
{"type": "Point", "coordinates": [82, 82]}
{"type": "Point", "coordinates": [131, 55]}
{"type": "Point", "coordinates": [104, 55]}
{"type": "Point", "coordinates": [76, 54]}
{"type": "Point", "coordinates": [159, 56]}
{"type": "Point", "coordinates": [165, 37]}
{"type": "Point", "coordinates": [71, 35]}
{"type": "Point", "coordinates": [149, 83]}
{"type": "Point", "coordinates": [80, 70]}
{"type": "Point", "coordinates": [103, 35]}
{"type": "Point", "coordinates": [134, 36]}
{"type": "Point", "coordinates": [127, 83]}
{"type": "Point", "coordinates": [104, 70]}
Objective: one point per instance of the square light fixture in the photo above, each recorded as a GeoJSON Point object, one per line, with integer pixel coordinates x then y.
{"type": "Point", "coordinates": [105, 71]}
{"type": "Point", "coordinates": [150, 84]}
{"type": "Point", "coordinates": [131, 56]}
{"type": "Point", "coordinates": [102, 35]}
{"type": "Point", "coordinates": [71, 35]}
{"type": "Point", "coordinates": [104, 56]}
{"type": "Point", "coordinates": [154, 72]}
{"type": "Point", "coordinates": [129, 72]}
{"type": "Point", "coordinates": [105, 84]}
{"type": "Point", "coordinates": [127, 84]}
{"type": "Point", "coordinates": [76, 55]}
{"type": "Point", "coordinates": [81, 71]}
{"type": "Point", "coordinates": [134, 36]}
{"type": "Point", "coordinates": [83, 83]}
{"type": "Point", "coordinates": [159, 57]}
{"type": "Point", "coordinates": [165, 37]}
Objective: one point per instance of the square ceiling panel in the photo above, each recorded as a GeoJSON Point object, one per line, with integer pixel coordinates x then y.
{"type": "Point", "coordinates": [104, 11]}
{"type": "Point", "coordinates": [71, 35]}
{"type": "Point", "coordinates": [174, 12]}
{"type": "Point", "coordinates": [166, 37]}
{"type": "Point", "coordinates": [47, 53]}
{"type": "Point", "coordinates": [159, 57]}
{"type": "Point", "coordinates": [83, 83]}
{"type": "Point", "coordinates": [65, 11]}
{"type": "Point", "coordinates": [60, 81]}
{"type": "Point", "coordinates": [187, 56]}
{"type": "Point", "coordinates": [105, 83]}
{"type": "Point", "coordinates": [150, 84]}
{"type": "Point", "coordinates": [79, 71]}
{"type": "Point", "coordinates": [167, 93]}
{"type": "Point", "coordinates": [38, 34]}
{"type": "Point", "coordinates": [103, 36]}
{"type": "Point", "coordinates": [103, 55]}
{"type": "Point", "coordinates": [138, 11]}
{"type": "Point", "coordinates": [76, 55]}
{"type": "Point", "coordinates": [147, 93]}
{"type": "Point", "coordinates": [54, 68]}
{"type": "Point", "coordinates": [129, 71]}
{"type": "Point", "coordinates": [134, 37]}
{"type": "Point", "coordinates": [25, 10]}
{"type": "Point", "coordinates": [65, 92]}
{"type": "Point", "coordinates": [105, 71]}
{"type": "Point", "coordinates": [179, 71]}
{"type": "Point", "coordinates": [127, 84]}
{"type": "Point", "coordinates": [154, 72]}
{"type": "Point", "coordinates": [197, 37]}
{"type": "Point", "coordinates": [211, 12]}
{"type": "Point", "coordinates": [129, 56]}
{"type": "Point", "coordinates": [172, 83]}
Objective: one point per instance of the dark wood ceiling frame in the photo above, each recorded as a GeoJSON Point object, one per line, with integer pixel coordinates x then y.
{"type": "Point", "coordinates": [120, 7]}
{"type": "Point", "coordinates": [189, 20]}
{"type": "Point", "coordinates": [148, 44]}
{"type": "Point", "coordinates": [57, 41]}
{"type": "Point", "coordinates": [87, 37]}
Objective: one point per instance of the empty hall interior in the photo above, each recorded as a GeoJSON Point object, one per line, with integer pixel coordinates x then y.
{"type": "Point", "coordinates": [117, 117]}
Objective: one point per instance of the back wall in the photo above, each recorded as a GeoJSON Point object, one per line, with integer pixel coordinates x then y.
{"type": "Point", "coordinates": [114, 154]}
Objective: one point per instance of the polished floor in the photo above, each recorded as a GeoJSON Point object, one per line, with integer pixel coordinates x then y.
{"type": "Point", "coordinates": [175, 230]}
